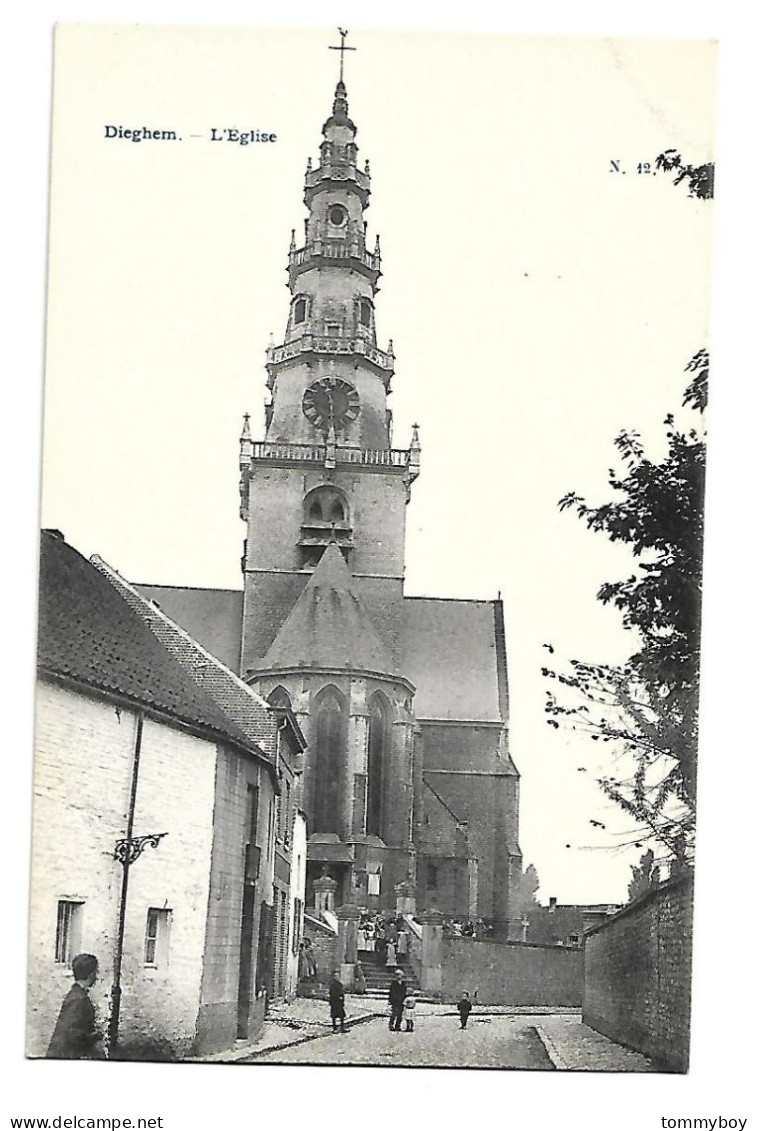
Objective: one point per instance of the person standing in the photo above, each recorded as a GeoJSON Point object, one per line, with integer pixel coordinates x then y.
{"type": "Point", "coordinates": [397, 995]}
{"type": "Point", "coordinates": [337, 1003]}
{"type": "Point", "coordinates": [464, 1008]}
{"type": "Point", "coordinates": [76, 1036]}
{"type": "Point", "coordinates": [391, 954]}
{"type": "Point", "coordinates": [410, 1010]}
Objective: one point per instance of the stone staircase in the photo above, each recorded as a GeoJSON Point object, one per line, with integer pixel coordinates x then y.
{"type": "Point", "coordinates": [378, 976]}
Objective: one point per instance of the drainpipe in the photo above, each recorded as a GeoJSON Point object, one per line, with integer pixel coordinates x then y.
{"type": "Point", "coordinates": [126, 862]}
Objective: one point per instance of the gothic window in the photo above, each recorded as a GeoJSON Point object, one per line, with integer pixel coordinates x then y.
{"type": "Point", "coordinates": [325, 504]}
{"type": "Point", "coordinates": [279, 698]}
{"type": "Point", "coordinates": [329, 761]}
{"type": "Point", "coordinates": [364, 312]}
{"type": "Point", "coordinates": [298, 311]}
{"type": "Point", "coordinates": [326, 518]}
{"type": "Point", "coordinates": [378, 758]}
{"type": "Point", "coordinates": [337, 215]}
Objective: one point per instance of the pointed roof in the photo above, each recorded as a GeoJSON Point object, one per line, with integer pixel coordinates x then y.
{"type": "Point", "coordinates": [328, 626]}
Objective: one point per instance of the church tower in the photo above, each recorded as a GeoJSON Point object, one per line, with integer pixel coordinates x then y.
{"type": "Point", "coordinates": [323, 496]}
{"type": "Point", "coordinates": [326, 471]}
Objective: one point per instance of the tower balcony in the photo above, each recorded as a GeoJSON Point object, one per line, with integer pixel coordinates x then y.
{"type": "Point", "coordinates": [337, 174]}
{"type": "Point", "coordinates": [263, 451]}
{"type": "Point", "coordinates": [331, 253]}
{"type": "Point", "coordinates": [318, 344]}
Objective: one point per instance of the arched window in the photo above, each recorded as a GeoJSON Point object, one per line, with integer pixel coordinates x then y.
{"type": "Point", "coordinates": [325, 504]}
{"type": "Point", "coordinates": [279, 697]}
{"type": "Point", "coordinates": [329, 762]}
{"type": "Point", "coordinates": [378, 758]}
{"type": "Point", "coordinates": [298, 311]}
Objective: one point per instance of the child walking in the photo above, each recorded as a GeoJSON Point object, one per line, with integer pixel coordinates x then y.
{"type": "Point", "coordinates": [464, 1008]}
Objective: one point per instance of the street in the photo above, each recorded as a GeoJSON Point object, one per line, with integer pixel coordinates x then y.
{"type": "Point", "coordinates": [488, 1042]}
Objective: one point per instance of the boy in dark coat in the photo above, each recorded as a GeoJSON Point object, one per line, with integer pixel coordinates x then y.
{"type": "Point", "coordinates": [75, 1036]}
{"type": "Point", "coordinates": [337, 1003]}
{"type": "Point", "coordinates": [464, 1008]}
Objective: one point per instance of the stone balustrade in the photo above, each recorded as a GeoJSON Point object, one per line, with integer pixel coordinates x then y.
{"type": "Point", "coordinates": [319, 343]}
{"type": "Point", "coordinates": [262, 450]}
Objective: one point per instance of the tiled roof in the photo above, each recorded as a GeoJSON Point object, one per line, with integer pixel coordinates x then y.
{"type": "Point", "coordinates": [328, 626]}
{"type": "Point", "coordinates": [90, 635]}
{"type": "Point", "coordinates": [451, 652]}
{"type": "Point", "coordinates": [243, 706]}
{"type": "Point", "coordinates": [211, 616]}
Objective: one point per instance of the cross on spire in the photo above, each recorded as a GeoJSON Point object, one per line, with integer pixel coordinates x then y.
{"type": "Point", "coordinates": [342, 49]}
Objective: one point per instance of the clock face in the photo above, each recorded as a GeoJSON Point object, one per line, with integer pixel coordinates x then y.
{"type": "Point", "coordinates": [330, 401]}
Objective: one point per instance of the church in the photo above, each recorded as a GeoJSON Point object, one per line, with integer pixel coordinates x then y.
{"type": "Point", "coordinates": [409, 789]}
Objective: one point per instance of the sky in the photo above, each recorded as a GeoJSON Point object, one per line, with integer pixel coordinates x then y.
{"type": "Point", "coordinates": [538, 300]}
{"type": "Point", "coordinates": [719, 1080]}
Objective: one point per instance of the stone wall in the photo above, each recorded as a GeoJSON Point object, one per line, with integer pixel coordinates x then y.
{"type": "Point", "coordinates": [511, 973]}
{"type": "Point", "coordinates": [637, 975]}
{"type": "Point", "coordinates": [324, 945]}
{"type": "Point", "coordinates": [84, 751]}
{"type": "Point", "coordinates": [217, 1019]}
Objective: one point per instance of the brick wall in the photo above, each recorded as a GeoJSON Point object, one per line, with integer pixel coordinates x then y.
{"type": "Point", "coordinates": [324, 945]}
{"type": "Point", "coordinates": [511, 973]}
{"type": "Point", "coordinates": [637, 975]}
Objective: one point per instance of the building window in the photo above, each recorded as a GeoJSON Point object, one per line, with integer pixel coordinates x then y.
{"type": "Point", "coordinates": [298, 311]}
{"type": "Point", "coordinates": [365, 312]}
{"type": "Point", "coordinates": [156, 936]}
{"type": "Point", "coordinates": [337, 215]}
{"type": "Point", "coordinates": [378, 749]}
{"type": "Point", "coordinates": [329, 762]}
{"type": "Point", "coordinates": [333, 329]}
{"type": "Point", "coordinates": [431, 875]}
{"type": "Point", "coordinates": [68, 930]}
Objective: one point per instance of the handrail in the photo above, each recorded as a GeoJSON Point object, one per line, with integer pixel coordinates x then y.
{"type": "Point", "coordinates": [316, 453]}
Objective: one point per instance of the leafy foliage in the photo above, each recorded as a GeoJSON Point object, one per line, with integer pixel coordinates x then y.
{"type": "Point", "coordinates": [645, 876]}
{"type": "Point", "coordinates": [699, 178]}
{"type": "Point", "coordinates": [524, 892]}
{"type": "Point", "coordinates": [647, 707]}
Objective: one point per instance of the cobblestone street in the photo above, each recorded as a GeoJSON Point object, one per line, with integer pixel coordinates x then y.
{"type": "Point", "coordinates": [525, 1039]}
{"type": "Point", "coordinates": [438, 1041]}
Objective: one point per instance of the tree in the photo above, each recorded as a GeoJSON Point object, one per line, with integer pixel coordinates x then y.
{"type": "Point", "coordinates": [647, 707]}
{"type": "Point", "coordinates": [699, 178]}
{"type": "Point", "coordinates": [524, 893]}
{"type": "Point", "coordinates": [645, 876]}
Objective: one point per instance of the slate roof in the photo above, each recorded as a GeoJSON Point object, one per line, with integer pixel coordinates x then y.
{"type": "Point", "coordinates": [248, 710]}
{"type": "Point", "coordinates": [89, 634]}
{"type": "Point", "coordinates": [211, 616]}
{"type": "Point", "coordinates": [450, 652]}
{"type": "Point", "coordinates": [328, 626]}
